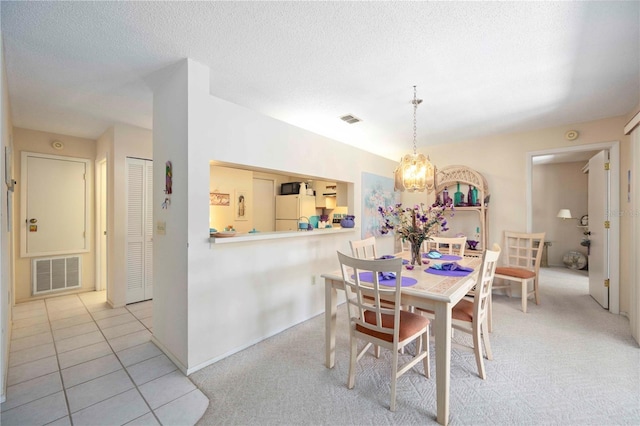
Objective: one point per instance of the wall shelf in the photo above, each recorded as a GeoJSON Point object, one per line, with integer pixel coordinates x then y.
{"type": "Point", "coordinates": [452, 175]}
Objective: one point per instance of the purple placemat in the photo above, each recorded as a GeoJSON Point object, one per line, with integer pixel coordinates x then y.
{"type": "Point", "coordinates": [447, 273]}
{"type": "Point", "coordinates": [406, 281]}
{"type": "Point", "coordinates": [447, 257]}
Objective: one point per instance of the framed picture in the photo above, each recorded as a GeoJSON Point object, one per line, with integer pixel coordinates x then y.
{"type": "Point", "coordinates": [218, 199]}
{"type": "Point", "coordinates": [241, 205]}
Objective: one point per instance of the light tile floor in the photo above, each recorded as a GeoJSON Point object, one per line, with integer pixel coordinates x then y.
{"type": "Point", "coordinates": [75, 360]}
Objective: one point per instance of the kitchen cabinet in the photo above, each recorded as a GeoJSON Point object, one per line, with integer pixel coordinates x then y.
{"type": "Point", "coordinates": [325, 194]}
{"type": "Point", "coordinates": [449, 177]}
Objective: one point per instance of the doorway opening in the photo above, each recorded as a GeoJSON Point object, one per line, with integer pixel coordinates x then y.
{"type": "Point", "coordinates": [576, 153]}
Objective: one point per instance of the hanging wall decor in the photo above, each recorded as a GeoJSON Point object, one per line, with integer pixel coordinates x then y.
{"type": "Point", "coordinates": [242, 212]}
{"type": "Point", "coordinates": [168, 178]}
{"type": "Point", "coordinates": [219, 199]}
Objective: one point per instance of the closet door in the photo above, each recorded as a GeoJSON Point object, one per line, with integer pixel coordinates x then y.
{"type": "Point", "coordinates": [139, 244]}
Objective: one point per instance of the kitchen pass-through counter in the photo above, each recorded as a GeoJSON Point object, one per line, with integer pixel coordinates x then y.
{"type": "Point", "coordinates": [257, 236]}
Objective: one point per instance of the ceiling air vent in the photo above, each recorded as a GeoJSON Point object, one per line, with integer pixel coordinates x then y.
{"type": "Point", "coordinates": [351, 119]}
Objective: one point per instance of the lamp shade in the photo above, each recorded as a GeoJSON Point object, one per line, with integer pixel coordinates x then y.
{"type": "Point", "coordinates": [565, 214]}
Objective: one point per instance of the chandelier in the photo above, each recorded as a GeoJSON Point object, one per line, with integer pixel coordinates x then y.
{"type": "Point", "coordinates": [415, 171]}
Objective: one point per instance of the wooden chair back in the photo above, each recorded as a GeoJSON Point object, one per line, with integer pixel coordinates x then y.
{"type": "Point", "coordinates": [446, 245]}
{"type": "Point", "coordinates": [523, 250]}
{"type": "Point", "coordinates": [484, 283]}
{"type": "Point", "coordinates": [364, 249]}
{"type": "Point", "coordinates": [368, 296]}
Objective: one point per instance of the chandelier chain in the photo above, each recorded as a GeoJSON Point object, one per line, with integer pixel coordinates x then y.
{"type": "Point", "coordinates": [415, 109]}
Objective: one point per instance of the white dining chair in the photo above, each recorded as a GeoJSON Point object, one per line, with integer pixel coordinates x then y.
{"type": "Point", "coordinates": [374, 324]}
{"type": "Point", "coordinates": [521, 264]}
{"type": "Point", "coordinates": [446, 245]}
{"type": "Point", "coordinates": [364, 249]}
{"type": "Point", "coordinates": [470, 315]}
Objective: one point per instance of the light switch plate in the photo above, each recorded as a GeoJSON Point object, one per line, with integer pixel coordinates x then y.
{"type": "Point", "coordinates": [161, 228]}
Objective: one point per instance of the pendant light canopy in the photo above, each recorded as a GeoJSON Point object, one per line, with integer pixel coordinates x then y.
{"type": "Point", "coordinates": [415, 171]}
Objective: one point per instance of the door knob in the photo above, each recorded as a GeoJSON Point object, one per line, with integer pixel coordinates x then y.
{"type": "Point", "coordinates": [34, 220]}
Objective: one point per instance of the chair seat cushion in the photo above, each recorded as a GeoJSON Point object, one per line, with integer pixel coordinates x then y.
{"type": "Point", "coordinates": [515, 272]}
{"type": "Point", "coordinates": [410, 324]}
{"type": "Point", "coordinates": [463, 311]}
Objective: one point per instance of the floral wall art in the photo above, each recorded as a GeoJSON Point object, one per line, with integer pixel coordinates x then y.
{"type": "Point", "coordinates": [376, 191]}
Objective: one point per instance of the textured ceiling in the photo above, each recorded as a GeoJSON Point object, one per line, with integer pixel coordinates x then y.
{"type": "Point", "coordinates": [481, 68]}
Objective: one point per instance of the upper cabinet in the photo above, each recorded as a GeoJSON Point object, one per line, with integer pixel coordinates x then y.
{"type": "Point", "coordinates": [325, 194]}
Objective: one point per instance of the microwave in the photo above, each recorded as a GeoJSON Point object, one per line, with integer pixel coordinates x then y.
{"type": "Point", "coordinates": [290, 188]}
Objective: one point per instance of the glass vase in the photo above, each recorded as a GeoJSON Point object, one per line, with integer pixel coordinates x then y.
{"type": "Point", "coordinates": [416, 258]}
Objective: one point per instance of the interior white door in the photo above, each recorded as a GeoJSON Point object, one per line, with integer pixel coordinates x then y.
{"type": "Point", "coordinates": [139, 242]}
{"type": "Point", "coordinates": [264, 205]}
{"type": "Point", "coordinates": [54, 208]}
{"type": "Point", "coordinates": [598, 209]}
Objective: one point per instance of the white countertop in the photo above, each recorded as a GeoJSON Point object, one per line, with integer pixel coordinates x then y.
{"type": "Point", "coordinates": [278, 235]}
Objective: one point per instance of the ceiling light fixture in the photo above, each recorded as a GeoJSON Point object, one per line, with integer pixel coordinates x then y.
{"type": "Point", "coordinates": [415, 171]}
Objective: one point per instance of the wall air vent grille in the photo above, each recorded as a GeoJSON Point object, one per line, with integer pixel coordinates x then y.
{"type": "Point", "coordinates": [55, 274]}
{"type": "Point", "coordinates": [351, 119]}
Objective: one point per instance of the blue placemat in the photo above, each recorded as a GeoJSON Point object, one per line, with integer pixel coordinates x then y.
{"type": "Point", "coordinates": [447, 257]}
{"type": "Point", "coordinates": [406, 281]}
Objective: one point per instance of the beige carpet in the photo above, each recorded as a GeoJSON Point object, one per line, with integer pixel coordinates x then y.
{"type": "Point", "coordinates": [566, 362]}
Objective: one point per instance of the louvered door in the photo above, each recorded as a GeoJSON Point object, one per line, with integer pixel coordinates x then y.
{"type": "Point", "coordinates": [139, 243]}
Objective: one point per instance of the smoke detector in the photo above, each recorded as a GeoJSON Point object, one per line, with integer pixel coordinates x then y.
{"type": "Point", "coordinates": [56, 144]}
{"type": "Point", "coordinates": [571, 135]}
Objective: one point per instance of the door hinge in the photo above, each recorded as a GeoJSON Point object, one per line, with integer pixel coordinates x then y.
{"type": "Point", "coordinates": [607, 224]}
{"type": "Point", "coordinates": [606, 166]}
{"type": "Point", "coordinates": [606, 283]}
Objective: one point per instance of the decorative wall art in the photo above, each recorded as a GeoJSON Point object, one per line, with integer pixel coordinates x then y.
{"type": "Point", "coordinates": [168, 183]}
{"type": "Point", "coordinates": [376, 191]}
{"type": "Point", "coordinates": [219, 199]}
{"type": "Point", "coordinates": [241, 205]}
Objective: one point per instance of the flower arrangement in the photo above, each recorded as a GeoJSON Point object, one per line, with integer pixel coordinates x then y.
{"type": "Point", "coordinates": [414, 224]}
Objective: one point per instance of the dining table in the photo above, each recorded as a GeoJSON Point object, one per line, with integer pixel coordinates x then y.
{"type": "Point", "coordinates": [434, 291]}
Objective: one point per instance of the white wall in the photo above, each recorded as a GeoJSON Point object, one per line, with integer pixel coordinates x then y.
{"type": "Point", "coordinates": [633, 213]}
{"type": "Point", "coordinates": [6, 246]}
{"type": "Point", "coordinates": [238, 294]}
{"type": "Point", "coordinates": [170, 251]}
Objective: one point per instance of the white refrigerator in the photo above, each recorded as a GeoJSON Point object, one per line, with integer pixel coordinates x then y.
{"type": "Point", "coordinates": [290, 208]}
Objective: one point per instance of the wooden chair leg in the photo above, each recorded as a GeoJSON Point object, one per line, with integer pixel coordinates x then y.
{"type": "Point", "coordinates": [352, 363]}
{"type": "Point", "coordinates": [524, 296]}
{"type": "Point", "coordinates": [477, 349]}
{"type": "Point", "coordinates": [536, 290]}
{"type": "Point", "coordinates": [487, 343]}
{"type": "Point", "coordinates": [394, 380]}
{"type": "Point", "coordinates": [426, 362]}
